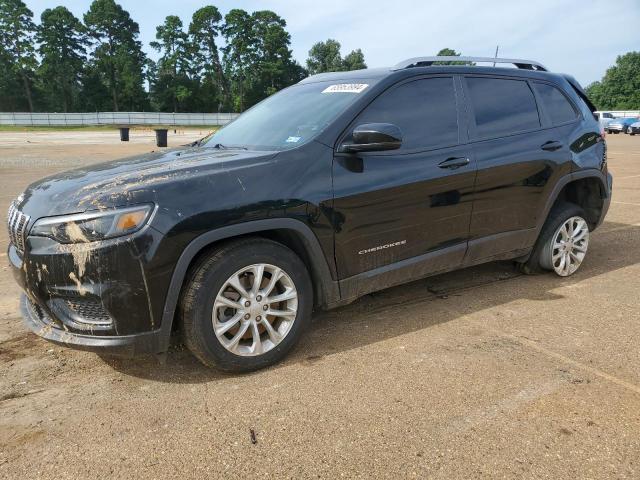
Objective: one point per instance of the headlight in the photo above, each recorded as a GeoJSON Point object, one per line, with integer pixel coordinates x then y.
{"type": "Point", "coordinates": [93, 226]}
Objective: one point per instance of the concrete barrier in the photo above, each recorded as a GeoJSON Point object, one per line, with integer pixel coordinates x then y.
{"type": "Point", "coordinates": [115, 118]}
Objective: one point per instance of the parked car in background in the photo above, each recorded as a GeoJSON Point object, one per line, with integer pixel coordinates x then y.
{"type": "Point", "coordinates": [621, 125]}
{"type": "Point", "coordinates": [604, 118]}
{"type": "Point", "coordinates": [634, 128]}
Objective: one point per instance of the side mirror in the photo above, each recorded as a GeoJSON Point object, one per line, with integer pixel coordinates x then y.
{"type": "Point", "coordinates": [373, 137]}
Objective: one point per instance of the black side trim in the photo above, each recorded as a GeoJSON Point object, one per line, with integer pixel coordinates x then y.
{"type": "Point", "coordinates": [500, 246]}
{"type": "Point", "coordinates": [404, 271]}
{"type": "Point", "coordinates": [329, 289]}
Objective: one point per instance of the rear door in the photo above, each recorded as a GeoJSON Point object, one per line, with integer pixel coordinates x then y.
{"type": "Point", "coordinates": [520, 155]}
{"type": "Point", "coordinates": [394, 205]}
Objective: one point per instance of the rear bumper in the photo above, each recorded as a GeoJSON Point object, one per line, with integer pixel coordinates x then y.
{"type": "Point", "coordinates": [607, 200]}
{"type": "Point", "coordinates": [124, 345]}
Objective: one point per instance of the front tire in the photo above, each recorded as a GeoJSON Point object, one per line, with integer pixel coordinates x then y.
{"type": "Point", "coordinates": [246, 305]}
{"type": "Point", "coordinates": [562, 244]}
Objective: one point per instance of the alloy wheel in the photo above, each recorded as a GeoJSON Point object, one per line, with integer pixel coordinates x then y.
{"type": "Point", "coordinates": [570, 243]}
{"type": "Point", "coordinates": [255, 309]}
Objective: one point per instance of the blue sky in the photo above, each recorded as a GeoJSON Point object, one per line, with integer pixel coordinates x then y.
{"type": "Point", "coordinates": [579, 37]}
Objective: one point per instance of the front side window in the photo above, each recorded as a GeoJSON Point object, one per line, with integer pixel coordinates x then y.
{"type": "Point", "coordinates": [555, 104]}
{"type": "Point", "coordinates": [289, 118]}
{"type": "Point", "coordinates": [502, 107]}
{"type": "Point", "coordinates": [425, 111]}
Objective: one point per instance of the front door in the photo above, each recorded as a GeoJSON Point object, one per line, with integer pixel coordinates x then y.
{"type": "Point", "coordinates": [397, 205]}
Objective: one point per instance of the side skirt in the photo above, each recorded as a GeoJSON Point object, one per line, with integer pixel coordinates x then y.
{"type": "Point", "coordinates": [404, 271]}
{"type": "Point", "coordinates": [503, 246]}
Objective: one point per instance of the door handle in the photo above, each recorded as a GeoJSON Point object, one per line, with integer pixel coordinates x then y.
{"type": "Point", "coordinates": [454, 162]}
{"type": "Point", "coordinates": [551, 146]}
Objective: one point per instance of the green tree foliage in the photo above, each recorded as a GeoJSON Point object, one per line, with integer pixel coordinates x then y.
{"type": "Point", "coordinates": [118, 55]}
{"type": "Point", "coordinates": [17, 58]}
{"type": "Point", "coordinates": [62, 57]}
{"type": "Point", "coordinates": [257, 58]}
{"type": "Point", "coordinates": [354, 60]}
{"type": "Point", "coordinates": [172, 85]}
{"type": "Point", "coordinates": [205, 28]}
{"type": "Point", "coordinates": [272, 58]}
{"type": "Point", "coordinates": [619, 89]}
{"type": "Point", "coordinates": [450, 52]}
{"type": "Point", "coordinates": [239, 39]}
{"type": "Point", "coordinates": [325, 57]}
{"type": "Point", "coordinates": [216, 64]}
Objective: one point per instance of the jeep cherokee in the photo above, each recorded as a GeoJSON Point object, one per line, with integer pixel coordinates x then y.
{"type": "Point", "coordinates": [341, 185]}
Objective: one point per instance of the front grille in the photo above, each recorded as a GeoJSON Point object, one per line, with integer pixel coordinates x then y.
{"type": "Point", "coordinates": [17, 223]}
{"type": "Point", "coordinates": [89, 312]}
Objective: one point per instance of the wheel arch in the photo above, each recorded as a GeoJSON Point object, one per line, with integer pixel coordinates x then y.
{"type": "Point", "coordinates": [290, 232]}
{"type": "Point", "coordinates": [589, 189]}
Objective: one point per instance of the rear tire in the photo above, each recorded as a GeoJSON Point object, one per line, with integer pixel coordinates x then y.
{"type": "Point", "coordinates": [562, 244]}
{"type": "Point", "coordinates": [245, 305]}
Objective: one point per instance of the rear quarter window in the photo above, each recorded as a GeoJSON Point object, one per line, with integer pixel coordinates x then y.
{"type": "Point", "coordinates": [557, 107]}
{"type": "Point", "coordinates": [502, 106]}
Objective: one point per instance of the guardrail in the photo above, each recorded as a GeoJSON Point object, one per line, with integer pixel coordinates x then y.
{"type": "Point", "coordinates": [116, 118]}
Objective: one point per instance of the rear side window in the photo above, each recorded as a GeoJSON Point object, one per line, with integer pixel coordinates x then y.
{"type": "Point", "coordinates": [425, 111]}
{"type": "Point", "coordinates": [502, 107]}
{"type": "Point", "coordinates": [555, 104]}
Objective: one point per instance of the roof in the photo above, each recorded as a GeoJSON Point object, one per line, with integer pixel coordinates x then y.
{"type": "Point", "coordinates": [429, 65]}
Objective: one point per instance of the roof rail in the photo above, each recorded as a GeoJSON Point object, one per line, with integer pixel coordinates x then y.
{"type": "Point", "coordinates": [428, 61]}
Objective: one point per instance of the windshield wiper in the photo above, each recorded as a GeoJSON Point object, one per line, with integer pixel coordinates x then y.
{"type": "Point", "coordinates": [220, 146]}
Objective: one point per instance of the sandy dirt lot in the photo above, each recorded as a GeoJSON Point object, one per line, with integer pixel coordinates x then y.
{"type": "Point", "coordinates": [481, 373]}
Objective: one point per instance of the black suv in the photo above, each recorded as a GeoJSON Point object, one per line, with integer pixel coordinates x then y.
{"type": "Point", "coordinates": [341, 185]}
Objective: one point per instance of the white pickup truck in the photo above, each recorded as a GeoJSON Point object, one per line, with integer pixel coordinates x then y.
{"type": "Point", "coordinates": [604, 118]}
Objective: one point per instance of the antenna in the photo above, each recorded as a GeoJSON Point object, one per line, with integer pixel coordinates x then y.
{"type": "Point", "coordinates": [496, 55]}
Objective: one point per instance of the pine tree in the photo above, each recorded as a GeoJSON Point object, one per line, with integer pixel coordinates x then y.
{"type": "Point", "coordinates": [62, 52]}
{"type": "Point", "coordinates": [205, 27]}
{"type": "Point", "coordinates": [18, 60]}
{"type": "Point", "coordinates": [118, 56]}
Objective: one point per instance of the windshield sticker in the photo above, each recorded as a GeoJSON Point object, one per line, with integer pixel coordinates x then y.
{"type": "Point", "coordinates": [346, 88]}
{"type": "Point", "coordinates": [293, 139]}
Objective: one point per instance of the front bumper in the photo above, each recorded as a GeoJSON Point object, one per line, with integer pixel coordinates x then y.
{"type": "Point", "coordinates": [615, 128]}
{"type": "Point", "coordinates": [122, 345]}
{"type": "Point", "coordinates": [107, 296]}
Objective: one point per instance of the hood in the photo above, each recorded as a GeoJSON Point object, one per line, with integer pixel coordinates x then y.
{"type": "Point", "coordinates": [132, 180]}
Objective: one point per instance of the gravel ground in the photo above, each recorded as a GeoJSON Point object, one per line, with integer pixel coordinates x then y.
{"type": "Point", "coordinates": [481, 373]}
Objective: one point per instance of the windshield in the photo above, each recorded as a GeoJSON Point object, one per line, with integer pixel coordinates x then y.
{"type": "Point", "coordinates": [289, 118]}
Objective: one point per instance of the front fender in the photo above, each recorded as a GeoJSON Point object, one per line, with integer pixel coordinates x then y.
{"type": "Point", "coordinates": [328, 288]}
